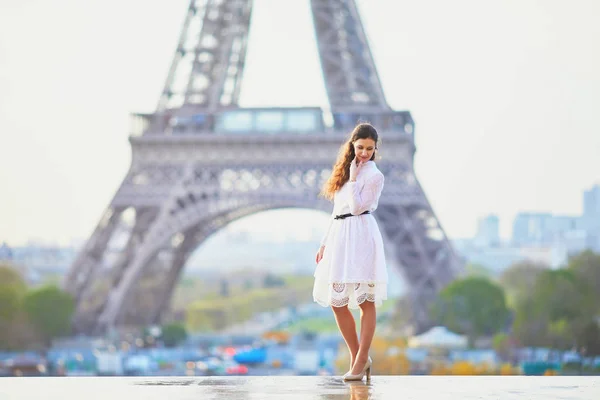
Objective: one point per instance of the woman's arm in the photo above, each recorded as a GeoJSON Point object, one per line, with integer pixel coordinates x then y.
{"type": "Point", "coordinates": [366, 197]}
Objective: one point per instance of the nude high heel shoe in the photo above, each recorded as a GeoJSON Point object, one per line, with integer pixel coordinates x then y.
{"type": "Point", "coordinates": [366, 370]}
{"type": "Point", "coordinates": [348, 373]}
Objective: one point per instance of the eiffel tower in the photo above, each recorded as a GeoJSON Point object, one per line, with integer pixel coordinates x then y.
{"type": "Point", "coordinates": [195, 168]}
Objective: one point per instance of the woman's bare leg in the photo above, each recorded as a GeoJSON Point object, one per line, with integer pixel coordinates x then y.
{"type": "Point", "coordinates": [347, 325]}
{"type": "Point", "coordinates": [368, 322]}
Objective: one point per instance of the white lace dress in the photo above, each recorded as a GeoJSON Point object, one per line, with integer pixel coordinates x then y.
{"type": "Point", "coordinates": [353, 267]}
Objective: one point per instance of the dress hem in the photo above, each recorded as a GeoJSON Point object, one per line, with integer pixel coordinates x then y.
{"type": "Point", "coordinates": [351, 294]}
{"type": "Point", "coordinates": [378, 303]}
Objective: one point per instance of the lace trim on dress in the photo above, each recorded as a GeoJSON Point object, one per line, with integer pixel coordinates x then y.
{"type": "Point", "coordinates": [341, 293]}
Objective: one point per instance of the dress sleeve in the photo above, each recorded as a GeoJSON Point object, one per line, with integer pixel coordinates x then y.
{"type": "Point", "coordinates": [365, 196]}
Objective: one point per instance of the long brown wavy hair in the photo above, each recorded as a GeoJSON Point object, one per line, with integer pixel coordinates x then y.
{"type": "Point", "coordinates": [341, 169]}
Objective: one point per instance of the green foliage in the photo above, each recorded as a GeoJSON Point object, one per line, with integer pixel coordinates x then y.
{"type": "Point", "coordinates": [473, 269]}
{"type": "Point", "coordinates": [10, 277]}
{"type": "Point", "coordinates": [589, 339]}
{"type": "Point", "coordinates": [518, 279]}
{"type": "Point", "coordinates": [528, 329]}
{"type": "Point", "coordinates": [173, 334]}
{"type": "Point", "coordinates": [30, 319]}
{"type": "Point", "coordinates": [557, 293]}
{"type": "Point", "coordinates": [50, 310]}
{"type": "Point", "coordinates": [216, 313]}
{"type": "Point", "coordinates": [12, 289]}
{"type": "Point", "coordinates": [315, 324]}
{"type": "Point", "coordinates": [271, 281]}
{"type": "Point", "coordinates": [552, 308]}
{"type": "Point", "coordinates": [10, 302]}
{"type": "Point", "coordinates": [554, 312]}
{"type": "Point", "coordinates": [13, 325]}
{"type": "Point", "coordinates": [586, 268]}
{"type": "Point", "coordinates": [473, 306]}
{"type": "Point", "coordinates": [500, 342]}
{"type": "Point", "coordinates": [560, 334]}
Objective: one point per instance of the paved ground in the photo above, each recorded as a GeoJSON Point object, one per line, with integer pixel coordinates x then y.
{"type": "Point", "coordinates": [301, 388]}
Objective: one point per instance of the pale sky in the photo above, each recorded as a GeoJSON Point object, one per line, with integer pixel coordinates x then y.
{"type": "Point", "coordinates": [505, 95]}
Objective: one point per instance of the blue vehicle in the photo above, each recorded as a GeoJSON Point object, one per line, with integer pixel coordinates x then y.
{"type": "Point", "coordinates": [252, 356]}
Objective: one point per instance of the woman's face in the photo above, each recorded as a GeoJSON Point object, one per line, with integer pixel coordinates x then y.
{"type": "Point", "coordinates": [364, 149]}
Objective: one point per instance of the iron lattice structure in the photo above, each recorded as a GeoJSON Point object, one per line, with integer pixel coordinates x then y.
{"type": "Point", "coordinates": [200, 162]}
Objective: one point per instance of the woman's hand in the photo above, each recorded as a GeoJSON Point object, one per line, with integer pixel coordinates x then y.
{"type": "Point", "coordinates": [355, 167]}
{"type": "Point", "coordinates": [319, 255]}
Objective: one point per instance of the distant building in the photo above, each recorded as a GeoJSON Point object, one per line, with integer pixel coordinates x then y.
{"type": "Point", "coordinates": [543, 238]}
{"type": "Point", "coordinates": [591, 216]}
{"type": "Point", "coordinates": [573, 242]}
{"type": "Point", "coordinates": [591, 206]}
{"type": "Point", "coordinates": [6, 253]}
{"type": "Point", "coordinates": [488, 231]}
{"type": "Point", "coordinates": [560, 224]}
{"type": "Point", "coordinates": [497, 258]}
{"type": "Point", "coordinates": [547, 230]}
{"type": "Point", "coordinates": [35, 261]}
{"type": "Point", "coordinates": [532, 229]}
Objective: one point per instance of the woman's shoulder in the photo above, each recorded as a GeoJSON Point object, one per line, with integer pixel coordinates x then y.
{"type": "Point", "coordinates": [373, 174]}
{"type": "Point", "coordinates": [376, 169]}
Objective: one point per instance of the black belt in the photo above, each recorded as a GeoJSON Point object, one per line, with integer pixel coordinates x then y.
{"type": "Point", "coordinates": [342, 216]}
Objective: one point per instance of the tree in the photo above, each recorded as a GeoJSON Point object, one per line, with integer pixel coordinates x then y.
{"type": "Point", "coordinates": [473, 306]}
{"type": "Point", "coordinates": [589, 340]}
{"type": "Point", "coordinates": [10, 277]}
{"type": "Point", "coordinates": [10, 308]}
{"type": "Point", "coordinates": [50, 310]}
{"type": "Point", "coordinates": [13, 325]}
{"type": "Point", "coordinates": [529, 328]}
{"type": "Point", "coordinates": [518, 279]}
{"type": "Point", "coordinates": [558, 293]}
{"type": "Point", "coordinates": [271, 281]}
{"type": "Point", "coordinates": [586, 267]}
{"type": "Point", "coordinates": [474, 269]}
{"type": "Point", "coordinates": [502, 345]}
{"type": "Point", "coordinates": [173, 334]}
{"type": "Point", "coordinates": [224, 288]}
{"type": "Point", "coordinates": [554, 312]}
{"type": "Point", "coordinates": [10, 302]}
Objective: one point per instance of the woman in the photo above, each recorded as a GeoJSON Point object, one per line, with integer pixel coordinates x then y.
{"type": "Point", "coordinates": [351, 270]}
